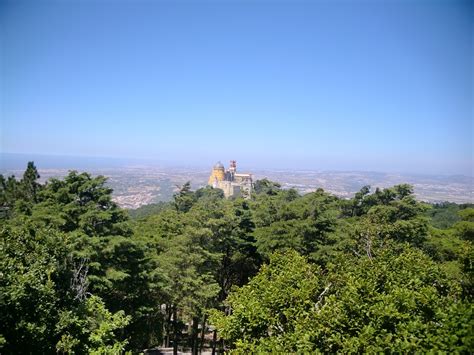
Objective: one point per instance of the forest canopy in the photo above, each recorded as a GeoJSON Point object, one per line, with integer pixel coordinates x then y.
{"type": "Point", "coordinates": [278, 272]}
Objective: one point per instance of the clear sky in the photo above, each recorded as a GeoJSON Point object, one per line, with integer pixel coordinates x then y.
{"type": "Point", "coordinates": [365, 85]}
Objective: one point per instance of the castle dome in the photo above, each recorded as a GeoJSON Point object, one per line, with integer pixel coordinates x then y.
{"type": "Point", "coordinates": [218, 166]}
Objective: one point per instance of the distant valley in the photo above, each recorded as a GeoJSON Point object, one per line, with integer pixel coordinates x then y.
{"type": "Point", "coordinates": [135, 186]}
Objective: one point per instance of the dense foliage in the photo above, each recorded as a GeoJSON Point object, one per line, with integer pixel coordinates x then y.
{"type": "Point", "coordinates": [398, 301]}
{"type": "Point", "coordinates": [282, 272]}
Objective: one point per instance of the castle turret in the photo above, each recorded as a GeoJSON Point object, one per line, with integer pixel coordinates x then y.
{"type": "Point", "coordinates": [217, 174]}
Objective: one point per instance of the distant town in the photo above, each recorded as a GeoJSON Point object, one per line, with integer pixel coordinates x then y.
{"type": "Point", "coordinates": [135, 186]}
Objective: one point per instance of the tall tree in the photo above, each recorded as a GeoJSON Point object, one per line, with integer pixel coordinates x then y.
{"type": "Point", "coordinates": [29, 184]}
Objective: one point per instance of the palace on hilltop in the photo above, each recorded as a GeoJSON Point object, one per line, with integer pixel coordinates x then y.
{"type": "Point", "coordinates": [232, 183]}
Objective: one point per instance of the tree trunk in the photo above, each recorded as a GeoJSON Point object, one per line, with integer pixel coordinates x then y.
{"type": "Point", "coordinates": [214, 342]}
{"type": "Point", "coordinates": [194, 336]}
{"type": "Point", "coordinates": [167, 327]}
{"type": "Point", "coordinates": [175, 332]}
{"type": "Point", "coordinates": [203, 332]}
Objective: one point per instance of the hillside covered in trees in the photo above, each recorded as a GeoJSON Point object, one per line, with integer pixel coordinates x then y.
{"type": "Point", "coordinates": [279, 272]}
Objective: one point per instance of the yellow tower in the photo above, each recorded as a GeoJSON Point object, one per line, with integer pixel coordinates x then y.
{"type": "Point", "coordinates": [218, 173]}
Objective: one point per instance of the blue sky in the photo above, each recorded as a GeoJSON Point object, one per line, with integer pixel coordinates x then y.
{"type": "Point", "coordinates": [345, 85]}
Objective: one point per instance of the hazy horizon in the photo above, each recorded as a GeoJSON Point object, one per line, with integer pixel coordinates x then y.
{"type": "Point", "coordinates": [18, 161]}
{"type": "Point", "coordinates": [370, 86]}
